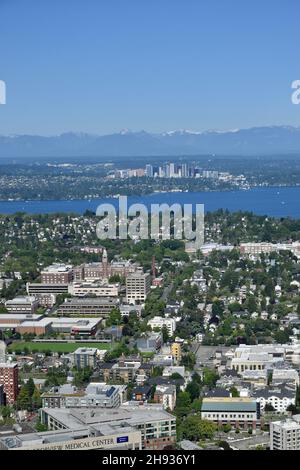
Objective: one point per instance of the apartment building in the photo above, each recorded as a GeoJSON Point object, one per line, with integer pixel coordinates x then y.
{"type": "Point", "coordinates": [95, 395]}
{"type": "Point", "coordinates": [285, 435]}
{"type": "Point", "coordinates": [166, 395]}
{"type": "Point", "coordinates": [85, 357]}
{"type": "Point", "coordinates": [9, 376]}
{"type": "Point", "coordinates": [160, 322]}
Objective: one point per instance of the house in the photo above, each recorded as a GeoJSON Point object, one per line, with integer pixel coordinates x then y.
{"type": "Point", "coordinates": [141, 393]}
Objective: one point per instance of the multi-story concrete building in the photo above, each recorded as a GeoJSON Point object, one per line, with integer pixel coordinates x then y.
{"type": "Point", "coordinates": [22, 304]}
{"type": "Point", "coordinates": [285, 435]}
{"type": "Point", "coordinates": [46, 293]}
{"type": "Point", "coordinates": [157, 427]}
{"type": "Point", "coordinates": [88, 306]}
{"type": "Point", "coordinates": [138, 286]}
{"type": "Point", "coordinates": [97, 288]}
{"type": "Point", "coordinates": [57, 274]}
{"type": "Point", "coordinates": [9, 376]}
{"type": "Point", "coordinates": [85, 357]}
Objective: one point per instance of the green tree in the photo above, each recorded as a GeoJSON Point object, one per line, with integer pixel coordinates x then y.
{"type": "Point", "coordinates": [194, 428]}
{"type": "Point", "coordinates": [36, 399]}
{"type": "Point", "coordinates": [234, 392]}
{"type": "Point", "coordinates": [24, 399]}
{"type": "Point", "coordinates": [210, 377]}
{"type": "Point", "coordinates": [193, 388]}
{"type": "Point", "coordinates": [30, 386]}
{"type": "Point", "coordinates": [165, 334]}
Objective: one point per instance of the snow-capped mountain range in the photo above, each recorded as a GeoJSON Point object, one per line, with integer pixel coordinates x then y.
{"type": "Point", "coordinates": [254, 141]}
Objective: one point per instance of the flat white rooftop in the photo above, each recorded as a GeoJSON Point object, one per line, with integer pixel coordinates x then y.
{"type": "Point", "coordinates": [19, 316]}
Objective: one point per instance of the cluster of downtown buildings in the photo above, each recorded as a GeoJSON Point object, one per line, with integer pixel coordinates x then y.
{"type": "Point", "coordinates": [180, 170]}
{"type": "Point", "coordinates": [186, 170]}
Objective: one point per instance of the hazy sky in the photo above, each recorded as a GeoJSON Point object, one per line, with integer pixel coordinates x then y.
{"type": "Point", "coordinates": [103, 65]}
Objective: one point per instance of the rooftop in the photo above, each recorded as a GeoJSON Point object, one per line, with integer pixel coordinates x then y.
{"type": "Point", "coordinates": [229, 404]}
{"type": "Point", "coordinates": [57, 268]}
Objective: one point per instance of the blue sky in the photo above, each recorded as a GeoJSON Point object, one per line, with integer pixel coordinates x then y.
{"type": "Point", "coordinates": [103, 65]}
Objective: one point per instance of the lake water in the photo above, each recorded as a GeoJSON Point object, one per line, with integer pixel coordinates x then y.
{"type": "Point", "coordinates": [277, 202]}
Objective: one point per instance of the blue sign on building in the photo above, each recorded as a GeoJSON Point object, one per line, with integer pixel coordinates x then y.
{"type": "Point", "coordinates": [122, 439]}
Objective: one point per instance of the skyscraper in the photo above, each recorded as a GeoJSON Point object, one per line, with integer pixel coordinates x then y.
{"type": "Point", "coordinates": [149, 171]}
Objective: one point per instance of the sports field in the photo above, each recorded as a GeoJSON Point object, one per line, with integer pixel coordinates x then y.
{"type": "Point", "coordinates": [54, 347]}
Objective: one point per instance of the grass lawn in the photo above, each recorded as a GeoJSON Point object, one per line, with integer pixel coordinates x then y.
{"type": "Point", "coordinates": [147, 354]}
{"type": "Point", "coordinates": [55, 347]}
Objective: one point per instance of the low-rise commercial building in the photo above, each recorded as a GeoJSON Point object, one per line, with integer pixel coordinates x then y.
{"type": "Point", "coordinates": [241, 413]}
{"type": "Point", "coordinates": [15, 319]}
{"type": "Point", "coordinates": [75, 326]}
{"type": "Point", "coordinates": [22, 304]}
{"type": "Point", "coordinates": [40, 327]}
